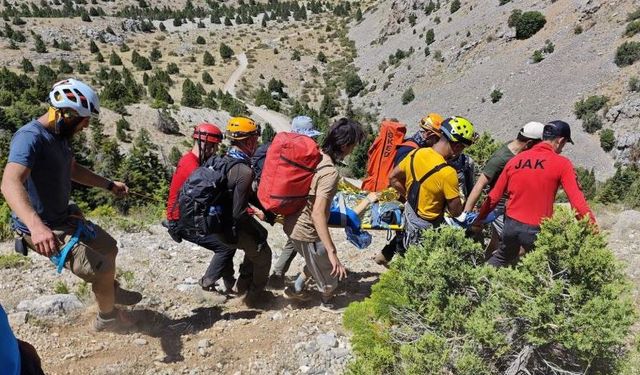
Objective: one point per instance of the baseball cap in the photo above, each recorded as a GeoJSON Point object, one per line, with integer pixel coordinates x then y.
{"type": "Point", "coordinates": [558, 128]}
{"type": "Point", "coordinates": [304, 125]}
{"type": "Point", "coordinates": [532, 130]}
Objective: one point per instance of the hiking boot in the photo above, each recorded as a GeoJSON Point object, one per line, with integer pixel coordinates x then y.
{"type": "Point", "coordinates": [126, 297]}
{"type": "Point", "coordinates": [301, 296]}
{"type": "Point", "coordinates": [276, 281]}
{"type": "Point", "coordinates": [257, 299]}
{"type": "Point", "coordinates": [381, 260]}
{"type": "Point", "coordinates": [121, 322]}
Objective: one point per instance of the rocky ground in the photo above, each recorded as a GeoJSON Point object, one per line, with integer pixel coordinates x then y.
{"type": "Point", "coordinates": [183, 330]}
{"type": "Point", "coordinates": [480, 54]}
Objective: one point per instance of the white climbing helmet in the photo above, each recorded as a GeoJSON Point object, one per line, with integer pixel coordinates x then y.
{"type": "Point", "coordinates": [77, 95]}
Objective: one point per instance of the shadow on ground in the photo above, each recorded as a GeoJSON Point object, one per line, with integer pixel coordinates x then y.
{"type": "Point", "coordinates": [170, 331]}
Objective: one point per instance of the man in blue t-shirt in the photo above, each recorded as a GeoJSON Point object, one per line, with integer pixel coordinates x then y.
{"type": "Point", "coordinates": [37, 185]}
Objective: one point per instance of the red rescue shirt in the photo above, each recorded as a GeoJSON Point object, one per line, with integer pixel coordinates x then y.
{"type": "Point", "coordinates": [531, 180]}
{"type": "Point", "coordinates": [187, 164]}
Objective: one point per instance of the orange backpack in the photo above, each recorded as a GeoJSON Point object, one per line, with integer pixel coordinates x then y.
{"type": "Point", "coordinates": [381, 155]}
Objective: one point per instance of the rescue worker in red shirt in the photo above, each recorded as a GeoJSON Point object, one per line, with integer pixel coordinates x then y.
{"type": "Point", "coordinates": [531, 180]}
{"type": "Point", "coordinates": [206, 137]}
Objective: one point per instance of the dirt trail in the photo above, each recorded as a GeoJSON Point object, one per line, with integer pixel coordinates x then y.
{"type": "Point", "coordinates": [278, 121]}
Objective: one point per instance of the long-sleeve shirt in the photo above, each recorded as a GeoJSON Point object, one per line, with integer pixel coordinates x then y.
{"type": "Point", "coordinates": [187, 164]}
{"type": "Point", "coordinates": [531, 180]}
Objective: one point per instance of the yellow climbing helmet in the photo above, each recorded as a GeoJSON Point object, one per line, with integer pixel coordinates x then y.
{"type": "Point", "coordinates": [458, 129]}
{"type": "Point", "coordinates": [431, 122]}
{"type": "Point", "coordinates": [242, 127]}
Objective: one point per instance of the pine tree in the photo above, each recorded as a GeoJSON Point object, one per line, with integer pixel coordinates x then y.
{"type": "Point", "coordinates": [206, 78]}
{"type": "Point", "coordinates": [114, 59]}
{"type": "Point", "coordinates": [190, 95]}
{"type": "Point", "coordinates": [39, 44]}
{"type": "Point", "coordinates": [27, 66]}
{"type": "Point", "coordinates": [155, 54]}
{"type": "Point", "coordinates": [93, 47]}
{"type": "Point", "coordinates": [208, 59]}
{"type": "Point", "coordinates": [225, 51]}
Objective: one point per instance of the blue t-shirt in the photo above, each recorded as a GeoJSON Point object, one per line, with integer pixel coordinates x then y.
{"type": "Point", "coordinates": [9, 350]}
{"type": "Point", "coordinates": [49, 157]}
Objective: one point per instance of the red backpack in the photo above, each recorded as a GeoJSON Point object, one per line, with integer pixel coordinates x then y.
{"type": "Point", "coordinates": [289, 167]}
{"type": "Point", "coordinates": [381, 155]}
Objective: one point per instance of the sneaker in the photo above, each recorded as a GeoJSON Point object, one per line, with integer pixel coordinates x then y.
{"type": "Point", "coordinates": [126, 297]}
{"type": "Point", "coordinates": [381, 260]}
{"type": "Point", "coordinates": [276, 281]}
{"type": "Point", "coordinates": [331, 308]}
{"type": "Point", "coordinates": [300, 296]}
{"type": "Point", "coordinates": [122, 321]}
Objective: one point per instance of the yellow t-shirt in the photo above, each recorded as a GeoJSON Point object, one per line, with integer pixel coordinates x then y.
{"type": "Point", "coordinates": [437, 189]}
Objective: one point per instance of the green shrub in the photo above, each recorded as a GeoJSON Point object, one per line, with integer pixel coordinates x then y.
{"type": "Point", "coordinates": [615, 189]}
{"type": "Point", "coordinates": [592, 104]}
{"type": "Point", "coordinates": [632, 198]}
{"type": "Point", "coordinates": [587, 182]}
{"type": "Point", "coordinates": [430, 37]}
{"type": "Point", "coordinates": [634, 84]}
{"type": "Point", "coordinates": [353, 84]}
{"type": "Point", "coordinates": [503, 2]}
{"type": "Point", "coordinates": [482, 149]}
{"type": "Point", "coordinates": [527, 24]}
{"type": "Point", "coordinates": [591, 122]}
{"type": "Point", "coordinates": [632, 29]}
{"type": "Point", "coordinates": [455, 5]}
{"type": "Point", "coordinates": [567, 304]}
{"type": "Point", "coordinates": [607, 139]}
{"type": "Point", "coordinates": [577, 30]}
{"type": "Point", "coordinates": [5, 221]}
{"type": "Point", "coordinates": [537, 56]}
{"type": "Point", "coordinates": [496, 95]}
{"type": "Point", "coordinates": [408, 96]}
{"type": "Point", "coordinates": [627, 54]}
{"type": "Point", "coordinates": [200, 40]}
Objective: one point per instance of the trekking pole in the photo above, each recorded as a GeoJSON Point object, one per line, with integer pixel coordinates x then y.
{"type": "Point", "coordinates": [147, 197]}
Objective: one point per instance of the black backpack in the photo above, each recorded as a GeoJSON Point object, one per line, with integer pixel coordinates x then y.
{"type": "Point", "coordinates": [202, 195]}
{"type": "Point", "coordinates": [257, 162]}
{"type": "Point", "coordinates": [413, 195]}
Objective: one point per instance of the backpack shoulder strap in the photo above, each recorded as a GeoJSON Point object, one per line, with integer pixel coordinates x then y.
{"type": "Point", "coordinates": [432, 172]}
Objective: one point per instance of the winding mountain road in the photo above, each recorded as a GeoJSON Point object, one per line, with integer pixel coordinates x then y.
{"type": "Point", "coordinates": [278, 121]}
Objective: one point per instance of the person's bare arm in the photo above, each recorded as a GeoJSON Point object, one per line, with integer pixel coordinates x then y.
{"type": "Point", "coordinates": [320, 222]}
{"type": "Point", "coordinates": [368, 200]}
{"type": "Point", "coordinates": [397, 180]}
{"type": "Point", "coordinates": [475, 193]}
{"type": "Point", "coordinates": [87, 177]}
{"type": "Point", "coordinates": [16, 196]}
{"type": "Point", "coordinates": [454, 206]}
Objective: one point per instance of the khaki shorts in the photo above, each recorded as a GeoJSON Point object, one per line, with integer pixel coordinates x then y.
{"type": "Point", "coordinates": [89, 260]}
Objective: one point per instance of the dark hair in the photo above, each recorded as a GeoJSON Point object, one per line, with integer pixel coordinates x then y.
{"type": "Point", "coordinates": [522, 138]}
{"type": "Point", "coordinates": [343, 133]}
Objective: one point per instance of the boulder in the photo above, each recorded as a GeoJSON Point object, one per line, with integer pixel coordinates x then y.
{"type": "Point", "coordinates": [52, 305]}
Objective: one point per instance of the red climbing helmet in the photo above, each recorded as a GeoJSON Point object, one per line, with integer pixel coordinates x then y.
{"type": "Point", "coordinates": [207, 132]}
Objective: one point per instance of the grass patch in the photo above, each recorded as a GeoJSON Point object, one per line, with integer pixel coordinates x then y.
{"type": "Point", "coordinates": [60, 287]}
{"type": "Point", "coordinates": [13, 261]}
